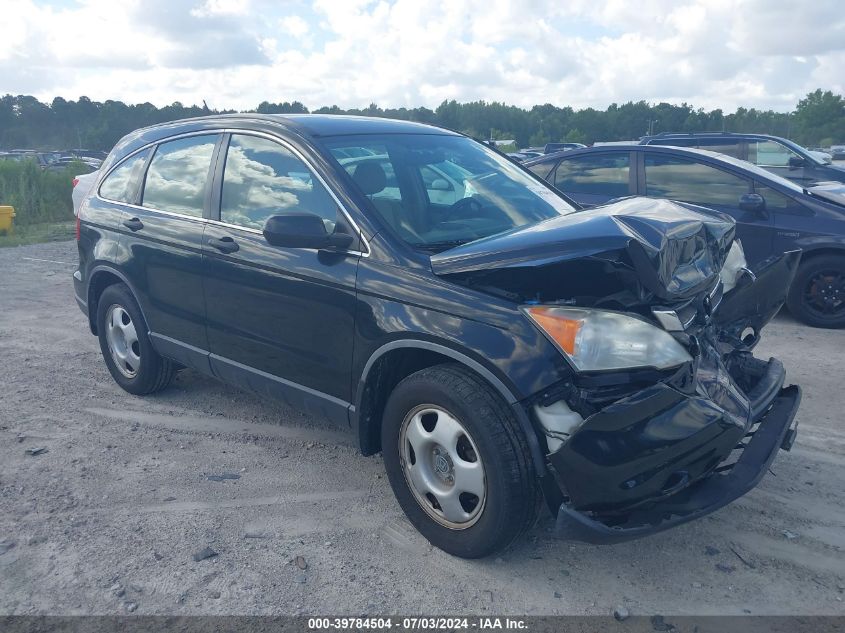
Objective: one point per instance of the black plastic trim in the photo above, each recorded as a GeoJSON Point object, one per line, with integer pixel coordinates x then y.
{"type": "Point", "coordinates": [775, 431]}
{"type": "Point", "coordinates": [489, 376]}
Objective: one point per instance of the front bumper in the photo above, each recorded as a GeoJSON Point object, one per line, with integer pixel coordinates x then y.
{"type": "Point", "coordinates": [775, 431]}
{"type": "Point", "coordinates": [683, 446]}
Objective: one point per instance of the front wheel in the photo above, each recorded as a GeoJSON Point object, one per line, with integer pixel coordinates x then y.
{"type": "Point", "coordinates": [458, 462]}
{"type": "Point", "coordinates": [817, 295]}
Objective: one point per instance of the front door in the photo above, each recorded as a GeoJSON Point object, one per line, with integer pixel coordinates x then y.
{"type": "Point", "coordinates": [683, 179]}
{"type": "Point", "coordinates": [280, 320]}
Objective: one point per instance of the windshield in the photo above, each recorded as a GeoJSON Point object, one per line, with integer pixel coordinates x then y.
{"type": "Point", "coordinates": [438, 191]}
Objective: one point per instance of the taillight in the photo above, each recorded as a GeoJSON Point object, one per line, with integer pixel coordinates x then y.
{"type": "Point", "coordinates": [77, 227]}
{"type": "Point", "coordinates": [75, 181]}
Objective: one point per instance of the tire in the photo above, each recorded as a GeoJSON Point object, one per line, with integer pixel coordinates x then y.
{"type": "Point", "coordinates": [817, 295]}
{"type": "Point", "coordinates": [448, 401]}
{"type": "Point", "coordinates": [126, 347]}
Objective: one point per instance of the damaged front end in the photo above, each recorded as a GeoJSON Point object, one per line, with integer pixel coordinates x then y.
{"type": "Point", "coordinates": [666, 415]}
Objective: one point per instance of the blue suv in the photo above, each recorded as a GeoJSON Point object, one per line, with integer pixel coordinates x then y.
{"type": "Point", "coordinates": [772, 214]}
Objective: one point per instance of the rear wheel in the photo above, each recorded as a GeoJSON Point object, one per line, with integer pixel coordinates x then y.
{"type": "Point", "coordinates": [458, 462]}
{"type": "Point", "coordinates": [126, 346]}
{"type": "Point", "coordinates": [817, 295]}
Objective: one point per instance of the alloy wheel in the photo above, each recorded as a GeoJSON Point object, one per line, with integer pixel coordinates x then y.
{"type": "Point", "coordinates": [824, 294]}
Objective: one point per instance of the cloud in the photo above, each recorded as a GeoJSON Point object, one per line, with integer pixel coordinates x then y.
{"type": "Point", "coordinates": [237, 53]}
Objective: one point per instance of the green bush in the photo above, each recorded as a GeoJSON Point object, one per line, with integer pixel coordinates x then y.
{"type": "Point", "coordinates": [38, 196]}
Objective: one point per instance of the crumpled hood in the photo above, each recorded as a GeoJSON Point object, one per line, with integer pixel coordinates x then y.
{"type": "Point", "coordinates": [671, 250]}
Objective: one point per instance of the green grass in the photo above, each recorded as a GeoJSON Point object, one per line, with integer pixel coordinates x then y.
{"type": "Point", "coordinates": [38, 233]}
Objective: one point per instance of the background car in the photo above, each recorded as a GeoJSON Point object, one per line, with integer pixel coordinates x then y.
{"type": "Point", "coordinates": [777, 155]}
{"type": "Point", "coordinates": [81, 186]}
{"type": "Point", "coordinates": [773, 215]}
{"type": "Point", "coordinates": [550, 148]}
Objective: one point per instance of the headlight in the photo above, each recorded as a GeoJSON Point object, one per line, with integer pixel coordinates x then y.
{"type": "Point", "coordinates": [595, 339]}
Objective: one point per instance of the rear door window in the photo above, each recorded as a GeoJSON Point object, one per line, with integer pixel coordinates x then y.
{"type": "Point", "coordinates": [178, 174]}
{"type": "Point", "coordinates": [594, 178]}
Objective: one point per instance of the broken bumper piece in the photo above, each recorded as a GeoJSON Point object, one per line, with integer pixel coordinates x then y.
{"type": "Point", "coordinates": [774, 430]}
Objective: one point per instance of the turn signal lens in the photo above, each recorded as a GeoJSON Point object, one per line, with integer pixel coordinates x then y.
{"type": "Point", "coordinates": [562, 330]}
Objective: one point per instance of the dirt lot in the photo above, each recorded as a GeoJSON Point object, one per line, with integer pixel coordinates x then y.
{"type": "Point", "coordinates": [106, 521]}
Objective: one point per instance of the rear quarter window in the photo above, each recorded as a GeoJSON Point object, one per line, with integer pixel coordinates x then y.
{"type": "Point", "coordinates": [541, 169]}
{"type": "Point", "coordinates": [121, 184]}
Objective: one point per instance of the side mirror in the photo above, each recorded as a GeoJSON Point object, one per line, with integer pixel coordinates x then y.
{"type": "Point", "coordinates": [441, 184]}
{"type": "Point", "coordinates": [302, 230]}
{"type": "Point", "coordinates": [752, 202]}
{"type": "Point", "coordinates": [796, 162]}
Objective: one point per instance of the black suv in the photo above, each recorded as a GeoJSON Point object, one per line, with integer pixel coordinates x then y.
{"type": "Point", "coordinates": [777, 155]}
{"type": "Point", "coordinates": [453, 310]}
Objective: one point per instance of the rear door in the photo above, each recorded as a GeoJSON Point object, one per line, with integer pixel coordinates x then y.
{"type": "Point", "coordinates": [161, 249]}
{"type": "Point", "coordinates": [594, 178]}
{"type": "Point", "coordinates": [687, 180]}
{"type": "Point", "coordinates": [280, 320]}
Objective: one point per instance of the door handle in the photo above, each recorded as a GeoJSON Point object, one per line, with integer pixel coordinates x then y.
{"type": "Point", "coordinates": [224, 244]}
{"type": "Point", "coordinates": [133, 224]}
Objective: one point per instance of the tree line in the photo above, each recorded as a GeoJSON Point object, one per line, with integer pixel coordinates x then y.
{"type": "Point", "coordinates": [818, 120]}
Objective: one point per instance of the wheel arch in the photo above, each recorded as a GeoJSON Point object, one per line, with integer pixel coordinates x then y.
{"type": "Point", "coordinates": [812, 251]}
{"type": "Point", "coordinates": [101, 277]}
{"type": "Point", "coordinates": [396, 360]}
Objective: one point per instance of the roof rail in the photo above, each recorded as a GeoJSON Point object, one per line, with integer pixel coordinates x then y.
{"type": "Point", "coordinates": [665, 134]}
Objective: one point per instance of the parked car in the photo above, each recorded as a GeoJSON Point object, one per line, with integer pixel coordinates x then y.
{"type": "Point", "coordinates": [773, 215]}
{"type": "Point", "coordinates": [520, 156]}
{"type": "Point", "coordinates": [550, 148]}
{"type": "Point", "coordinates": [777, 155]}
{"type": "Point", "coordinates": [822, 154]}
{"type": "Point", "coordinates": [837, 152]}
{"type": "Point", "coordinates": [499, 348]}
{"type": "Point", "coordinates": [82, 184]}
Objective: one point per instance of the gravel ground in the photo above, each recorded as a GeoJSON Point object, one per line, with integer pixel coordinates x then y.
{"type": "Point", "coordinates": [108, 519]}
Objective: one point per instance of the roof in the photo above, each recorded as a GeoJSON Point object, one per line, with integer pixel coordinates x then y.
{"type": "Point", "coordinates": [735, 163]}
{"type": "Point", "coordinates": [304, 125]}
{"type": "Point", "coordinates": [323, 124]}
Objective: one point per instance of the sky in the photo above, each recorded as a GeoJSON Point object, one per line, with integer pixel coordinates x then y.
{"type": "Point", "coordinates": [583, 53]}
